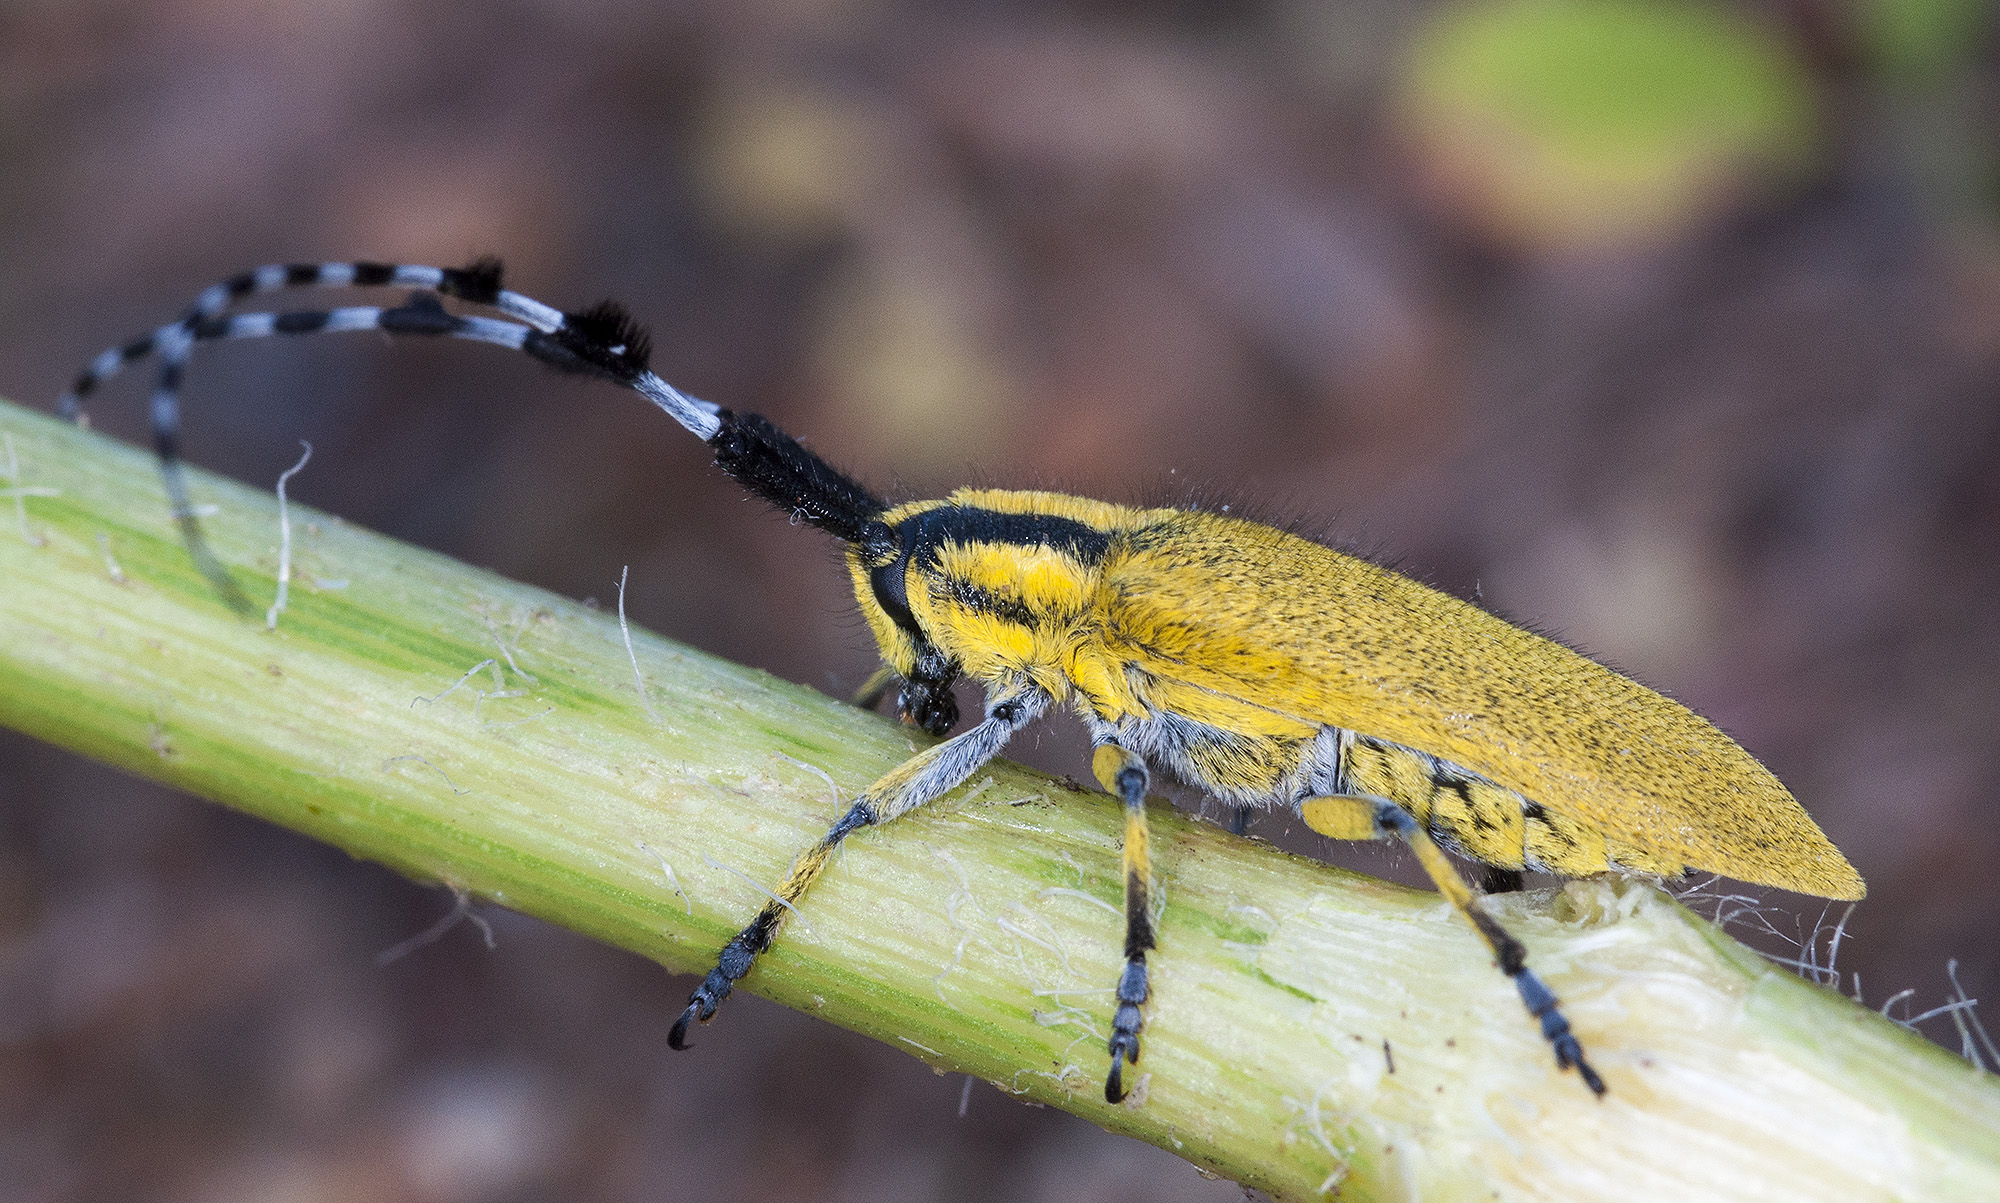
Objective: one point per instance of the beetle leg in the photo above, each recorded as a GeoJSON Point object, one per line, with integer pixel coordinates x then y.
{"type": "Point", "coordinates": [920, 779]}
{"type": "Point", "coordinates": [1122, 772]}
{"type": "Point", "coordinates": [875, 688]}
{"type": "Point", "coordinates": [1341, 817]}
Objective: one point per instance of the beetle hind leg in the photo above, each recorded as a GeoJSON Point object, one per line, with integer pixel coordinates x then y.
{"type": "Point", "coordinates": [1363, 817]}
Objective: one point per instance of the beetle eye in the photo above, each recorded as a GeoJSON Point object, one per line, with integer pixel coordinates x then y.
{"type": "Point", "coordinates": [892, 593]}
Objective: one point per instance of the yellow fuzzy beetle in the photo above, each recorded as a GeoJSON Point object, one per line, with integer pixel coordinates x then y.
{"type": "Point", "coordinates": [1258, 666]}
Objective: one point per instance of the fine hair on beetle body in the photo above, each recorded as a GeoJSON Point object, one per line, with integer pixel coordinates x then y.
{"type": "Point", "coordinates": [1262, 668]}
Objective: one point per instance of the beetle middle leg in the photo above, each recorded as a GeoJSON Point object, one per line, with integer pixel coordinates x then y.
{"type": "Point", "coordinates": [1361, 816]}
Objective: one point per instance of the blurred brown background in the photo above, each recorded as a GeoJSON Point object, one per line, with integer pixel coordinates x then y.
{"type": "Point", "coordinates": [1674, 329]}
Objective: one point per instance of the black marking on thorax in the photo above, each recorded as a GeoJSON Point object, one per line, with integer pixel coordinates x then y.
{"type": "Point", "coordinates": [985, 601]}
{"type": "Point", "coordinates": [922, 534]}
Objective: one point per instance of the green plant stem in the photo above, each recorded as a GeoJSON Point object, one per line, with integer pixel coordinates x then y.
{"type": "Point", "coordinates": [465, 729]}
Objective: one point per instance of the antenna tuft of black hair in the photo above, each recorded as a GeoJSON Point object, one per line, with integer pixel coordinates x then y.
{"type": "Point", "coordinates": [614, 332]}
{"type": "Point", "coordinates": [608, 324]}
{"type": "Point", "coordinates": [477, 282]}
{"type": "Point", "coordinates": [422, 315]}
{"type": "Point", "coordinates": [601, 341]}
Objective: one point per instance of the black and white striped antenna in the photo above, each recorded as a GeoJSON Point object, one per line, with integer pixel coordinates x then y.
{"type": "Point", "coordinates": [602, 341]}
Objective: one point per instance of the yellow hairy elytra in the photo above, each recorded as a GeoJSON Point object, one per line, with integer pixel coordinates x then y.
{"type": "Point", "coordinates": [1271, 637]}
{"type": "Point", "coordinates": [1266, 669]}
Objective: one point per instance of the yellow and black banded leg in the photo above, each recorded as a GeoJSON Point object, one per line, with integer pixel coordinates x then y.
{"type": "Point", "coordinates": [875, 688]}
{"type": "Point", "coordinates": [1121, 771]}
{"type": "Point", "coordinates": [1356, 817]}
{"type": "Point", "coordinates": [918, 780]}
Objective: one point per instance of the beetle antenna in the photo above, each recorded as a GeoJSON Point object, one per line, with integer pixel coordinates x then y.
{"type": "Point", "coordinates": [602, 341]}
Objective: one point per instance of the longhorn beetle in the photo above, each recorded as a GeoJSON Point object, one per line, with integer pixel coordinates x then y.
{"type": "Point", "coordinates": [1261, 667]}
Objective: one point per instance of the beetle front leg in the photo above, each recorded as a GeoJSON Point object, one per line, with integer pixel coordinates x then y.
{"type": "Point", "coordinates": [921, 779]}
